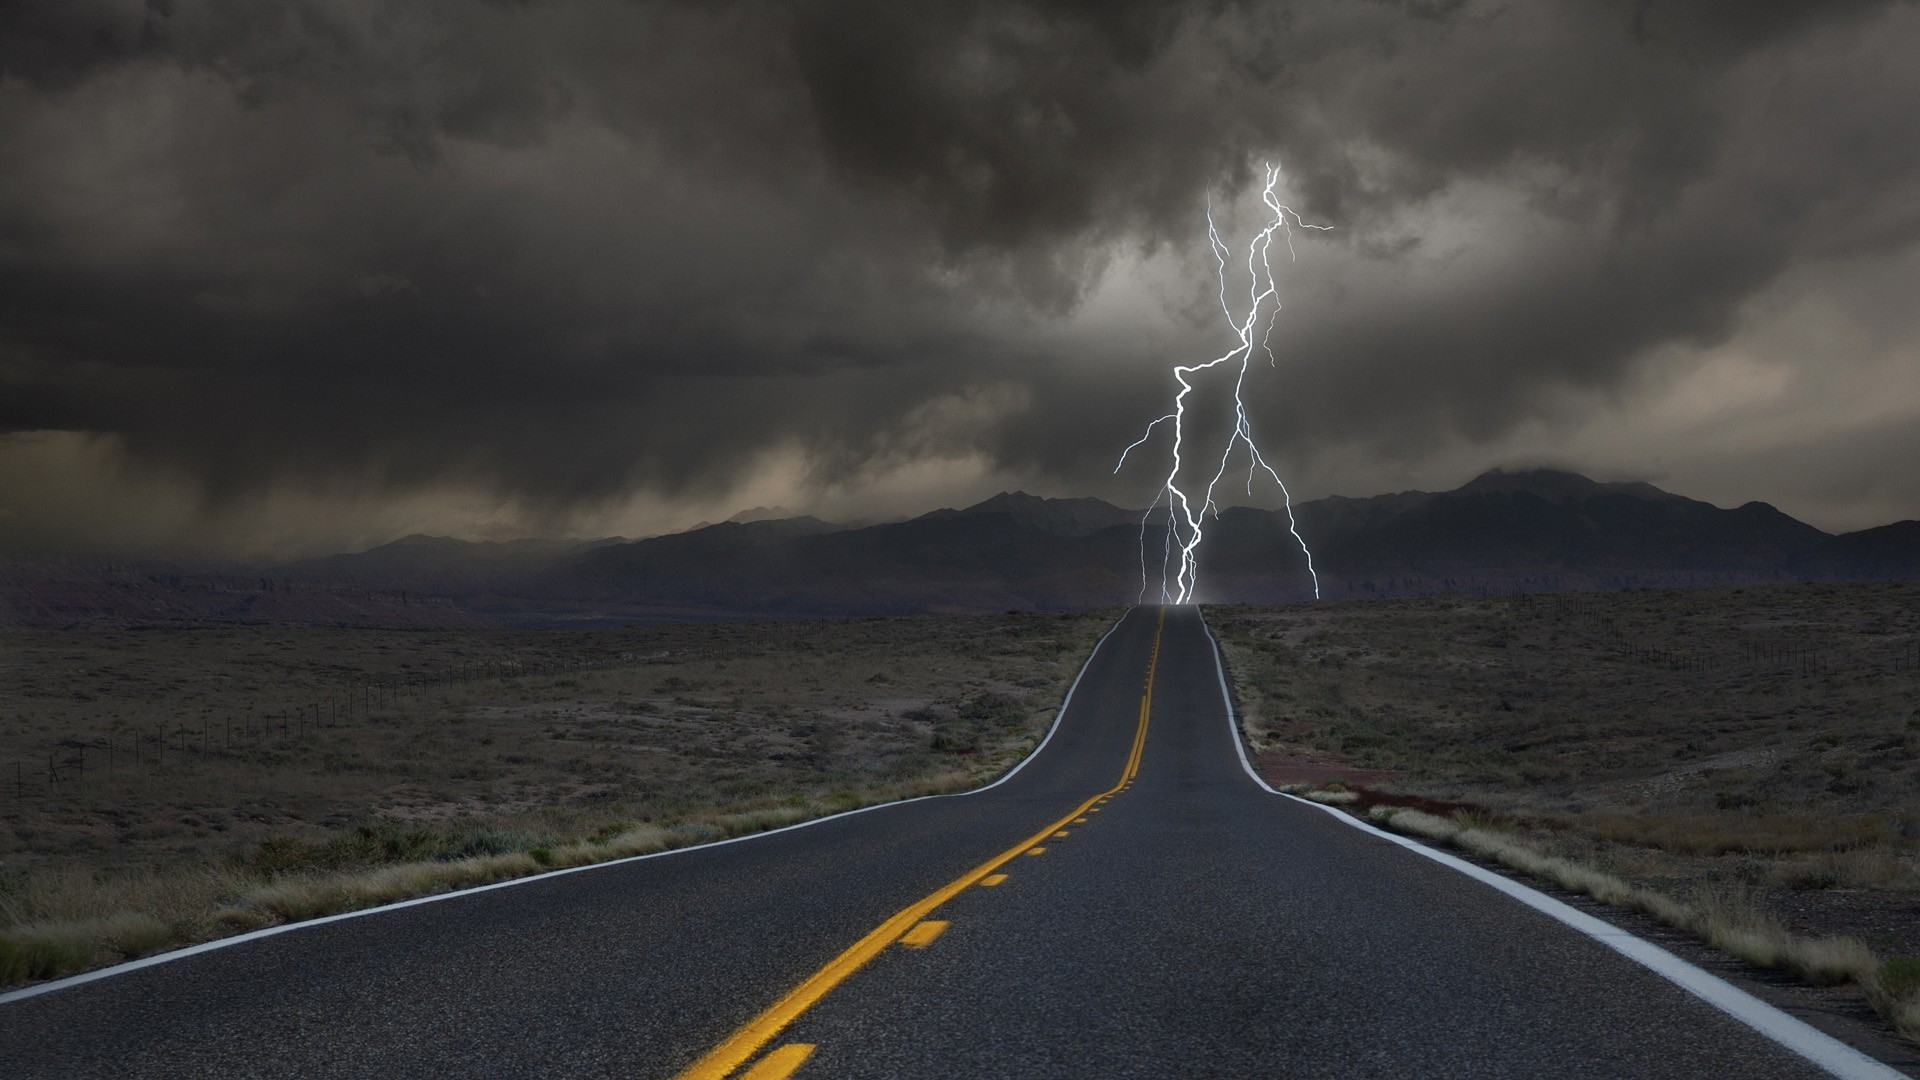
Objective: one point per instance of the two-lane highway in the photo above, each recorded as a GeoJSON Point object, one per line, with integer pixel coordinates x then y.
{"type": "Point", "coordinates": [631, 969]}
{"type": "Point", "coordinates": [1130, 902]}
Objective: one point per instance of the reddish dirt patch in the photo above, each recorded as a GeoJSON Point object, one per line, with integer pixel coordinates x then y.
{"type": "Point", "coordinates": [1277, 769]}
{"type": "Point", "coordinates": [1369, 798]}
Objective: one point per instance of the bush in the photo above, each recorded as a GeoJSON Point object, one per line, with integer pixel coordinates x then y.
{"type": "Point", "coordinates": [487, 842]}
{"type": "Point", "coordinates": [382, 845]}
{"type": "Point", "coordinates": [947, 741]}
{"type": "Point", "coordinates": [133, 934]}
{"type": "Point", "coordinates": [41, 957]}
{"type": "Point", "coordinates": [997, 709]}
{"type": "Point", "coordinates": [1900, 978]}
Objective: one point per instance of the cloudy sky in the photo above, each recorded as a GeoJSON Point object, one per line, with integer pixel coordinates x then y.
{"type": "Point", "coordinates": [287, 276]}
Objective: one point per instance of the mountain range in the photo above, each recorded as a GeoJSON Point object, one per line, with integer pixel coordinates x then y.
{"type": "Point", "coordinates": [1536, 530]}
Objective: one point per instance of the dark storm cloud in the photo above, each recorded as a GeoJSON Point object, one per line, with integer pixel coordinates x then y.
{"type": "Point", "coordinates": [569, 249]}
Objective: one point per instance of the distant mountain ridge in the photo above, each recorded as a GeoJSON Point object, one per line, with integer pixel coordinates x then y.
{"type": "Point", "coordinates": [1057, 517]}
{"type": "Point", "coordinates": [440, 563]}
{"type": "Point", "coordinates": [1535, 529]}
{"type": "Point", "coordinates": [1531, 530]}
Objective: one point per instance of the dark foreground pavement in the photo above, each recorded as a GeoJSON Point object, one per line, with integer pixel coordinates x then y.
{"type": "Point", "coordinates": [1194, 926]}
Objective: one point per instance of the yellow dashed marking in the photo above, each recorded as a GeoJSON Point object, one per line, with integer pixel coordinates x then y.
{"type": "Point", "coordinates": [922, 934]}
{"type": "Point", "coordinates": [780, 1064]}
{"type": "Point", "coordinates": [993, 879]}
{"type": "Point", "coordinates": [739, 1048]}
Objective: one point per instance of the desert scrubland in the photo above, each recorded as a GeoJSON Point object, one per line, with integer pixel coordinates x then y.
{"type": "Point", "coordinates": [1743, 763]}
{"type": "Point", "coordinates": [165, 786]}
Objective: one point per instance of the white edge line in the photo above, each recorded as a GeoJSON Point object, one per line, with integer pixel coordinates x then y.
{"type": "Point", "coordinates": [255, 935]}
{"type": "Point", "coordinates": [1823, 1050]}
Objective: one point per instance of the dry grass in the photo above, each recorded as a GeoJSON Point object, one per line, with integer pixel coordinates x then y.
{"type": "Point", "coordinates": [1749, 833]}
{"type": "Point", "coordinates": [1895, 991]}
{"type": "Point", "coordinates": [1727, 918]}
{"type": "Point", "coordinates": [1662, 749]}
{"type": "Point", "coordinates": [703, 732]}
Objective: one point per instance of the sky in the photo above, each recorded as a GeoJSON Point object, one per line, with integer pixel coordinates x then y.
{"type": "Point", "coordinates": [284, 277]}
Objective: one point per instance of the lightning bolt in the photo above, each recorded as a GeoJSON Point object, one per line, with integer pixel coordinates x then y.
{"type": "Point", "coordinates": [1187, 513]}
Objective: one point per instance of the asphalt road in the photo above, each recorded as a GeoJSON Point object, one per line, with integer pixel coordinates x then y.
{"type": "Point", "coordinates": [1186, 924]}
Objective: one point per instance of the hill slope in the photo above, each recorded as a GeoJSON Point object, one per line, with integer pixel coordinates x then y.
{"type": "Point", "coordinates": [1538, 530]}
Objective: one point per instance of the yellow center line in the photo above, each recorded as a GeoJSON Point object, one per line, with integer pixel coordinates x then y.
{"type": "Point", "coordinates": [722, 1060]}
{"type": "Point", "coordinates": [780, 1064]}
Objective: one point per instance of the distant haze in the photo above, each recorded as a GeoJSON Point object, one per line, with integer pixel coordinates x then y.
{"type": "Point", "coordinates": [1536, 532]}
{"type": "Point", "coordinates": [279, 279]}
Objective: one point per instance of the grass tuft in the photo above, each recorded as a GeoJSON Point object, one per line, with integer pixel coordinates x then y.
{"type": "Point", "coordinates": [1416, 822]}
{"type": "Point", "coordinates": [1724, 918]}
{"type": "Point", "coordinates": [134, 934]}
{"type": "Point", "coordinates": [31, 953]}
{"type": "Point", "coordinates": [47, 950]}
{"type": "Point", "coordinates": [1894, 991]}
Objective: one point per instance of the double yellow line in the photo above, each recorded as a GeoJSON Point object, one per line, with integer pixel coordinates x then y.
{"type": "Point", "coordinates": [722, 1060]}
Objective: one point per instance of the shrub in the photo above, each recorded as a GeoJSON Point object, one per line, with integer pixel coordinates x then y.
{"type": "Point", "coordinates": [1899, 978]}
{"type": "Point", "coordinates": [488, 842]}
{"type": "Point", "coordinates": [42, 953]}
{"type": "Point", "coordinates": [991, 707]}
{"type": "Point", "coordinates": [135, 934]}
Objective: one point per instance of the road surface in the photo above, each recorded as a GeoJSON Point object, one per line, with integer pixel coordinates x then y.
{"type": "Point", "coordinates": [1129, 903]}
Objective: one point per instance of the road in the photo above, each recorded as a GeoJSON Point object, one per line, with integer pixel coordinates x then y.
{"type": "Point", "coordinates": [1130, 903]}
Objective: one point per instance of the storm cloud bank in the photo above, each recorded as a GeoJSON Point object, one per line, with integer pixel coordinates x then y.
{"type": "Point", "coordinates": [274, 269]}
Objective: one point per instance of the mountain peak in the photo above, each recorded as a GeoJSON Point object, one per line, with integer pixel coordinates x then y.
{"type": "Point", "coordinates": [1009, 500]}
{"type": "Point", "coordinates": [761, 513]}
{"type": "Point", "coordinates": [423, 540]}
{"type": "Point", "coordinates": [1060, 517]}
{"type": "Point", "coordinates": [1556, 485]}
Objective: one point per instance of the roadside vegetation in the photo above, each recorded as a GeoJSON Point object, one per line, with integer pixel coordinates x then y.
{"type": "Point", "coordinates": [169, 786]}
{"type": "Point", "coordinates": [1740, 763]}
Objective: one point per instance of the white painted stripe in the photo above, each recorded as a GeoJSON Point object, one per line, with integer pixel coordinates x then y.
{"type": "Point", "coordinates": [1064, 702]}
{"type": "Point", "coordinates": [1823, 1050]}
{"type": "Point", "coordinates": [255, 935]}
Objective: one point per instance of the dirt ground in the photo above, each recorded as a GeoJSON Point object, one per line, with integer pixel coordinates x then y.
{"type": "Point", "coordinates": [153, 770]}
{"type": "Point", "coordinates": [1763, 739]}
